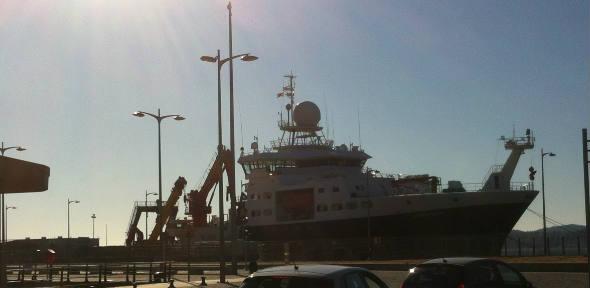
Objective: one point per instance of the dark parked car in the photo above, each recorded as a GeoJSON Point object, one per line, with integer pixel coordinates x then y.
{"type": "Point", "coordinates": [464, 273]}
{"type": "Point", "coordinates": [313, 276]}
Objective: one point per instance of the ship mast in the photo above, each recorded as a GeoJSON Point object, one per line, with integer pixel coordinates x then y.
{"type": "Point", "coordinates": [289, 91]}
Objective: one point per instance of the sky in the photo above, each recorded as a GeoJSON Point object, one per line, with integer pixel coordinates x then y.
{"type": "Point", "coordinates": [431, 84]}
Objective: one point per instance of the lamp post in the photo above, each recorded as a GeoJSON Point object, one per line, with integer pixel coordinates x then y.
{"type": "Point", "coordinates": [93, 218]}
{"type": "Point", "coordinates": [370, 172]}
{"type": "Point", "coordinates": [6, 222]}
{"type": "Point", "coordinates": [146, 213]}
{"type": "Point", "coordinates": [2, 150]}
{"type": "Point", "coordinates": [217, 59]}
{"type": "Point", "coordinates": [159, 118]}
{"type": "Point", "coordinates": [70, 202]}
{"type": "Point", "coordinates": [543, 154]}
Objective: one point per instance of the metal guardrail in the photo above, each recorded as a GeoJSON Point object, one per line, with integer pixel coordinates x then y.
{"type": "Point", "coordinates": [123, 273]}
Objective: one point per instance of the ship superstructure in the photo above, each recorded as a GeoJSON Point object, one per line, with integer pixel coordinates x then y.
{"type": "Point", "coordinates": [305, 188]}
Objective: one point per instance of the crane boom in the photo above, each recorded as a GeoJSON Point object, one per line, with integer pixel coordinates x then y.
{"type": "Point", "coordinates": [164, 216]}
{"type": "Point", "coordinates": [198, 207]}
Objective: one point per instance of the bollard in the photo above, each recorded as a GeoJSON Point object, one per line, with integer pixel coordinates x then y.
{"type": "Point", "coordinates": [203, 283]}
{"type": "Point", "coordinates": [171, 284]}
{"type": "Point", "coordinates": [188, 273]}
{"type": "Point", "coordinates": [150, 277]}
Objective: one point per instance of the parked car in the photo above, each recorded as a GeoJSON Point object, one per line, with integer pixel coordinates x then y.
{"type": "Point", "coordinates": [464, 272]}
{"type": "Point", "coordinates": [313, 276]}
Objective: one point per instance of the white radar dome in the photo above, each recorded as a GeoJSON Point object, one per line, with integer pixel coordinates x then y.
{"type": "Point", "coordinates": [307, 114]}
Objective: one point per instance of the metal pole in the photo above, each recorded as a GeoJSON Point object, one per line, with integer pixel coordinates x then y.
{"type": "Point", "coordinates": [232, 180]}
{"type": "Point", "coordinates": [146, 216]}
{"type": "Point", "coordinates": [162, 241]}
{"type": "Point", "coordinates": [543, 196]}
{"type": "Point", "coordinates": [586, 195]}
{"type": "Point", "coordinates": [68, 217]}
{"type": "Point", "coordinates": [220, 150]}
{"type": "Point", "coordinates": [369, 248]}
{"type": "Point", "coordinates": [93, 218]}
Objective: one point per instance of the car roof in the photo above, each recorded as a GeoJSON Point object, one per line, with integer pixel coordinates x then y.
{"type": "Point", "coordinates": [306, 270]}
{"type": "Point", "coordinates": [460, 261]}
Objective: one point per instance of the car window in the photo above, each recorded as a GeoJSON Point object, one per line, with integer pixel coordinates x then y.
{"type": "Point", "coordinates": [373, 281]}
{"type": "Point", "coordinates": [482, 274]}
{"type": "Point", "coordinates": [509, 276]}
{"type": "Point", "coordinates": [435, 276]}
{"type": "Point", "coordinates": [354, 280]}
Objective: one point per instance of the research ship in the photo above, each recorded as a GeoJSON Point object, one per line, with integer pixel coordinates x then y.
{"type": "Point", "coordinates": [307, 196]}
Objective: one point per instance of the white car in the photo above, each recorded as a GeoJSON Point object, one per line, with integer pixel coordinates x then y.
{"type": "Point", "coordinates": [313, 276]}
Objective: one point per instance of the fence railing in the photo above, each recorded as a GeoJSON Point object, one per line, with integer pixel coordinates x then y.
{"type": "Point", "coordinates": [556, 246]}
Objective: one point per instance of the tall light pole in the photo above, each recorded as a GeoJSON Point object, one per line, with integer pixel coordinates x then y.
{"type": "Point", "coordinates": [146, 213]}
{"type": "Point", "coordinates": [370, 172]}
{"type": "Point", "coordinates": [159, 118]}
{"type": "Point", "coordinates": [70, 202]}
{"type": "Point", "coordinates": [6, 222]}
{"type": "Point", "coordinates": [543, 154]}
{"type": "Point", "coordinates": [217, 59]}
{"type": "Point", "coordinates": [93, 218]}
{"type": "Point", "coordinates": [3, 230]}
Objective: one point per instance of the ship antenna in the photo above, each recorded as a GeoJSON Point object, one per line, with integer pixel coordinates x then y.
{"type": "Point", "coordinates": [358, 118]}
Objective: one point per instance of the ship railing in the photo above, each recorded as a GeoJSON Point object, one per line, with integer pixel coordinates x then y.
{"type": "Point", "coordinates": [477, 187]}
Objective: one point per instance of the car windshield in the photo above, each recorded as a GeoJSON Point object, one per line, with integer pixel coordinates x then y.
{"type": "Point", "coordinates": [286, 282]}
{"type": "Point", "coordinates": [438, 276]}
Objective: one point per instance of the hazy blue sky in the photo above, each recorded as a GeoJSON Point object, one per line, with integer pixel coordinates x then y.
{"type": "Point", "coordinates": [436, 84]}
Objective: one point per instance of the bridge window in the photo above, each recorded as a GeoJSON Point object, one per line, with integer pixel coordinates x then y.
{"type": "Point", "coordinates": [336, 206]}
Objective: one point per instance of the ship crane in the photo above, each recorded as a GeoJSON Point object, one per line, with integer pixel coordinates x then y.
{"type": "Point", "coordinates": [197, 199]}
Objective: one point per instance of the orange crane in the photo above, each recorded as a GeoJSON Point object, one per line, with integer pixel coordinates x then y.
{"type": "Point", "coordinates": [197, 199]}
{"type": "Point", "coordinates": [168, 209]}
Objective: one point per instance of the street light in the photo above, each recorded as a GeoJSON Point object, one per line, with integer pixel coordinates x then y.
{"type": "Point", "coordinates": [543, 154]}
{"type": "Point", "coordinates": [217, 59]}
{"type": "Point", "coordinates": [159, 118]}
{"type": "Point", "coordinates": [93, 218]}
{"type": "Point", "coordinates": [146, 213]}
{"type": "Point", "coordinates": [6, 222]}
{"type": "Point", "coordinates": [70, 202]}
{"type": "Point", "coordinates": [3, 230]}
{"type": "Point", "coordinates": [370, 172]}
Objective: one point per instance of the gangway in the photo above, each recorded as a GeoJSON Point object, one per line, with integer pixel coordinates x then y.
{"type": "Point", "coordinates": [139, 208]}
